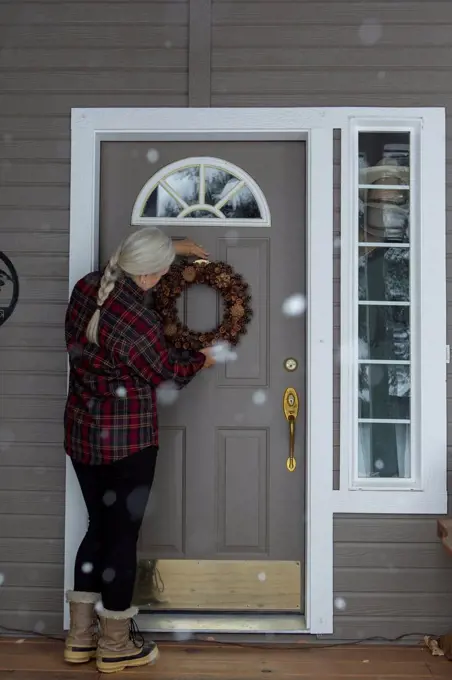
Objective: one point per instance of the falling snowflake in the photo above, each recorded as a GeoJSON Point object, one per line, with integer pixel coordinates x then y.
{"type": "Point", "coordinates": [167, 393]}
{"type": "Point", "coordinates": [121, 392]}
{"type": "Point", "coordinates": [108, 575]}
{"type": "Point", "coordinates": [222, 353]}
{"type": "Point", "coordinates": [370, 31]}
{"type": "Point", "coordinates": [87, 567]}
{"type": "Point", "coordinates": [259, 397]}
{"type": "Point", "coordinates": [295, 305]}
{"type": "Point", "coordinates": [262, 576]}
{"type": "Point", "coordinates": [152, 155]}
{"type": "Point", "coordinates": [340, 603]}
{"type": "Point", "coordinates": [109, 498]}
{"type": "Point", "coordinates": [379, 465]}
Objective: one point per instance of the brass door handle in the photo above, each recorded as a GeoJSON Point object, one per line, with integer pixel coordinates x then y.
{"type": "Point", "coordinates": [290, 407]}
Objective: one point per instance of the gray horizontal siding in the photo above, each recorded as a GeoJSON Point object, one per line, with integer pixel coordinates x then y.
{"type": "Point", "coordinates": [311, 12]}
{"type": "Point", "coordinates": [55, 56]}
{"type": "Point", "coordinates": [89, 13]}
{"type": "Point", "coordinates": [30, 454]}
{"type": "Point", "coordinates": [391, 576]}
{"type": "Point", "coordinates": [30, 503]}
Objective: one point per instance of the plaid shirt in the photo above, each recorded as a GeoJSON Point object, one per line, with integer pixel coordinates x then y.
{"type": "Point", "coordinates": [111, 409]}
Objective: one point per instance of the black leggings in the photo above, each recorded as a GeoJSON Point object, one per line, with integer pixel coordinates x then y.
{"type": "Point", "coordinates": [116, 496]}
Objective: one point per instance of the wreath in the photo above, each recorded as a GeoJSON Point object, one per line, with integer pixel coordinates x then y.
{"type": "Point", "coordinates": [222, 278]}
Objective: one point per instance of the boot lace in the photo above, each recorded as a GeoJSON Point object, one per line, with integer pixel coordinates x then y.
{"type": "Point", "coordinates": [135, 635]}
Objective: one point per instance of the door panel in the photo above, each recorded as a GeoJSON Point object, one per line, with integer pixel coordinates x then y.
{"type": "Point", "coordinates": [222, 488]}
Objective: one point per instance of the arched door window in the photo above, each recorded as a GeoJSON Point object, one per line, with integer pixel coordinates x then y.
{"type": "Point", "coordinates": [206, 191]}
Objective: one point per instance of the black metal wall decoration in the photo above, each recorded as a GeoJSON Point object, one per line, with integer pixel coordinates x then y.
{"type": "Point", "coordinates": [9, 288]}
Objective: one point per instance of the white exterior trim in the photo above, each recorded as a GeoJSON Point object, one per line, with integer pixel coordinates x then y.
{"type": "Point", "coordinates": [315, 125]}
{"type": "Point", "coordinates": [163, 173]}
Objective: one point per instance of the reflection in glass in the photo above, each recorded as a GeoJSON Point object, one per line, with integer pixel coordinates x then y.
{"type": "Point", "coordinates": [202, 213]}
{"type": "Point", "coordinates": [161, 204]}
{"type": "Point", "coordinates": [180, 584]}
{"type": "Point", "coordinates": [384, 274]}
{"type": "Point", "coordinates": [218, 184]}
{"type": "Point", "coordinates": [384, 450]}
{"type": "Point", "coordinates": [384, 392]}
{"type": "Point", "coordinates": [384, 332]}
{"type": "Point", "coordinates": [382, 154]}
{"type": "Point", "coordinates": [185, 183]}
{"type": "Point", "coordinates": [384, 215]}
{"type": "Point", "coordinates": [242, 205]}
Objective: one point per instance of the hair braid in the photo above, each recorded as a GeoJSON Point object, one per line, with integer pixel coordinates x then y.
{"type": "Point", "coordinates": [106, 286]}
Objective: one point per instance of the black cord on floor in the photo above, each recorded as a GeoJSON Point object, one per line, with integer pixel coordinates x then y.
{"type": "Point", "coordinates": [287, 647]}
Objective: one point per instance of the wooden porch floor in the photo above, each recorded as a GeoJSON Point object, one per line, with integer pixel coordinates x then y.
{"type": "Point", "coordinates": [41, 660]}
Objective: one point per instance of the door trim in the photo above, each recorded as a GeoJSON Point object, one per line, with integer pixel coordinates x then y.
{"type": "Point", "coordinates": [314, 126]}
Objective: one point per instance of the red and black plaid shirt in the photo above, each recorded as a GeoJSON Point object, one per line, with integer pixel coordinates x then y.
{"type": "Point", "coordinates": [111, 409]}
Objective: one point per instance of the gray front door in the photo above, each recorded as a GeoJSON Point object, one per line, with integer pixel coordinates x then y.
{"type": "Point", "coordinates": [223, 490]}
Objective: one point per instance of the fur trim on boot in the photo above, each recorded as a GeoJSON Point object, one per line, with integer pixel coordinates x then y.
{"type": "Point", "coordinates": [81, 596]}
{"type": "Point", "coordinates": [121, 644]}
{"type": "Point", "coordinates": [81, 642]}
{"type": "Point", "coordinates": [117, 616]}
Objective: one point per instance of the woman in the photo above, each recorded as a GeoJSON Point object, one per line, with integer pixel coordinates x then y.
{"type": "Point", "coordinates": [118, 358]}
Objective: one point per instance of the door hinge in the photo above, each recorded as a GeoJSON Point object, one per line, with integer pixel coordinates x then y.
{"type": "Point", "coordinates": [447, 354]}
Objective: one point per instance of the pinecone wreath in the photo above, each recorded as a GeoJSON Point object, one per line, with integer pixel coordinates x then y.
{"type": "Point", "coordinates": [221, 277]}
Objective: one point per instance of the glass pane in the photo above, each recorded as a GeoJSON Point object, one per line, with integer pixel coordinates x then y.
{"type": "Point", "coordinates": [384, 155]}
{"type": "Point", "coordinates": [161, 204]}
{"type": "Point", "coordinates": [384, 450]}
{"type": "Point", "coordinates": [186, 184]}
{"type": "Point", "coordinates": [384, 332]}
{"type": "Point", "coordinates": [384, 274]}
{"type": "Point", "coordinates": [202, 213]}
{"type": "Point", "coordinates": [384, 392]}
{"type": "Point", "coordinates": [218, 184]}
{"type": "Point", "coordinates": [242, 205]}
{"type": "Point", "coordinates": [384, 215]}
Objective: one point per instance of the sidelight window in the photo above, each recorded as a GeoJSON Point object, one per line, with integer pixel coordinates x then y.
{"type": "Point", "coordinates": [393, 343]}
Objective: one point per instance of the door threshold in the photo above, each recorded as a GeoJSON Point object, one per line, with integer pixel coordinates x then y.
{"type": "Point", "coordinates": [150, 622]}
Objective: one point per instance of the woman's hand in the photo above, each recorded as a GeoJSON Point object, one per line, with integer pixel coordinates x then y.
{"type": "Point", "coordinates": [188, 248]}
{"type": "Point", "coordinates": [210, 360]}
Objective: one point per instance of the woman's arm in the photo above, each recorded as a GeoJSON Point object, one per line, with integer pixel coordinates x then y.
{"type": "Point", "coordinates": [186, 248]}
{"type": "Point", "coordinates": [150, 357]}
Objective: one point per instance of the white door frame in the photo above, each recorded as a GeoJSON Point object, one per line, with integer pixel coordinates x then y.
{"type": "Point", "coordinates": [92, 126]}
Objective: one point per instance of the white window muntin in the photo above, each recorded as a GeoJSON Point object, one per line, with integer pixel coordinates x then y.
{"type": "Point", "coordinates": [219, 220]}
{"type": "Point", "coordinates": [350, 331]}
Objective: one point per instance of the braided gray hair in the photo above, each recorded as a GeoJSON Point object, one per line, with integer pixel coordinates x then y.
{"type": "Point", "coordinates": [146, 251]}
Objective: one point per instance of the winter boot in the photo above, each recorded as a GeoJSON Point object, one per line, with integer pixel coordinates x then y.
{"type": "Point", "coordinates": [81, 642]}
{"type": "Point", "coordinates": [121, 644]}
